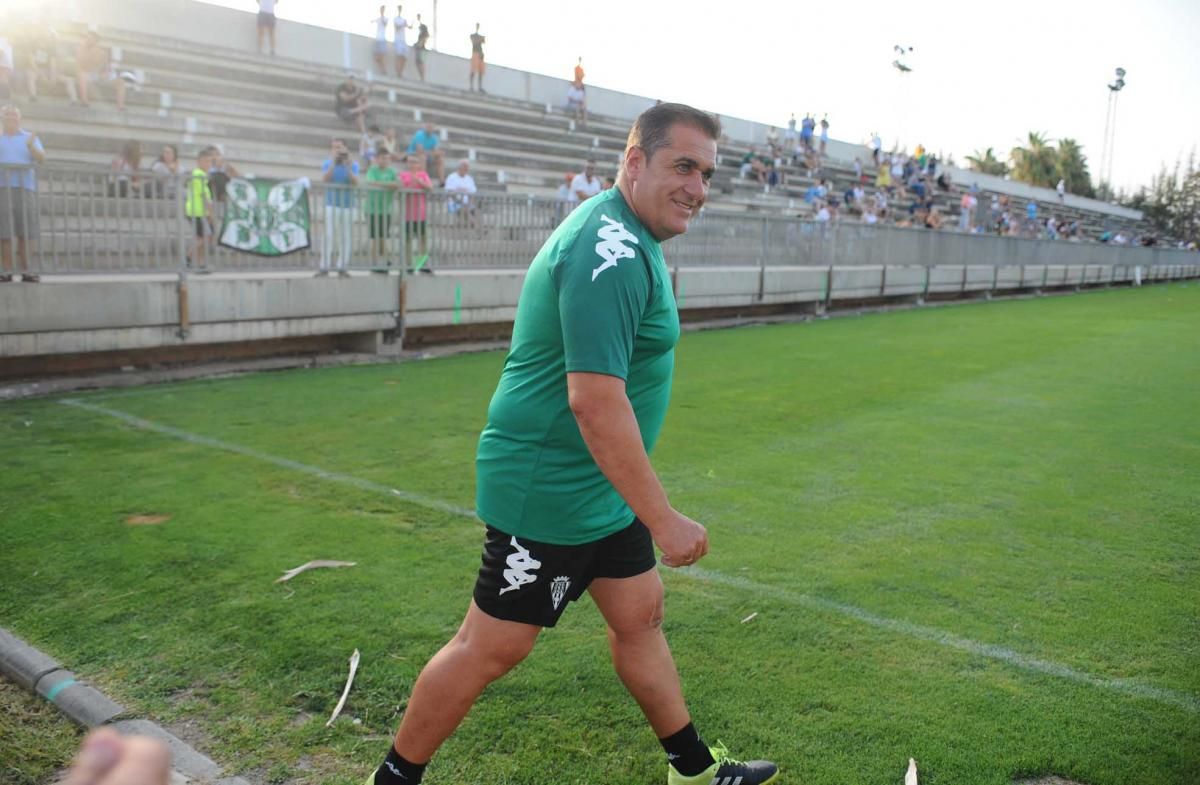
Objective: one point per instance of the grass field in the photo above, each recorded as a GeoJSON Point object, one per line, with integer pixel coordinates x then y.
{"type": "Point", "coordinates": [971, 535]}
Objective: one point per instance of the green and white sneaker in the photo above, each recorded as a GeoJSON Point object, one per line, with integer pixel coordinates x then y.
{"type": "Point", "coordinates": [727, 771]}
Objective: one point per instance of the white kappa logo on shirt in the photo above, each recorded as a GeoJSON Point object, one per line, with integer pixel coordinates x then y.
{"type": "Point", "coordinates": [520, 564]}
{"type": "Point", "coordinates": [612, 247]}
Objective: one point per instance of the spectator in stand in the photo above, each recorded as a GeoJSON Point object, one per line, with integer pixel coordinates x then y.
{"type": "Point", "coordinates": [876, 146]}
{"type": "Point", "coordinates": [824, 133]}
{"type": "Point", "coordinates": [858, 170]}
{"type": "Point", "coordinates": [773, 140]}
{"type": "Point", "coordinates": [125, 180]}
{"type": "Point", "coordinates": [609, 182]}
{"type": "Point", "coordinates": [461, 187]}
{"type": "Point", "coordinates": [806, 131]}
{"type": "Point", "coordinates": [883, 180]}
{"type": "Point", "coordinates": [166, 169]}
{"type": "Point", "coordinates": [824, 215]}
{"type": "Point", "coordinates": [266, 23]}
{"type": "Point", "coordinates": [415, 179]}
{"type": "Point", "coordinates": [790, 136]}
{"type": "Point", "coordinates": [18, 195]}
{"type": "Point", "coordinates": [391, 140]}
{"type": "Point", "coordinates": [220, 172]}
{"type": "Point", "coordinates": [198, 208]}
{"type": "Point", "coordinates": [870, 218]}
{"type": "Point", "coordinates": [400, 41]}
{"type": "Point", "coordinates": [579, 71]}
{"type": "Point", "coordinates": [350, 103]}
{"type": "Point", "coordinates": [754, 163]}
{"type": "Point", "coordinates": [37, 56]}
{"type": "Point", "coordinates": [368, 144]}
{"type": "Point", "coordinates": [425, 142]}
{"type": "Point", "coordinates": [93, 64]}
{"type": "Point", "coordinates": [577, 103]}
{"type": "Point", "coordinates": [421, 46]}
{"type": "Point", "coordinates": [383, 182]}
{"type": "Point", "coordinates": [1031, 216]}
{"type": "Point", "coordinates": [1062, 190]}
{"type": "Point", "coordinates": [933, 219]}
{"type": "Point", "coordinates": [564, 203]}
{"type": "Point", "coordinates": [7, 66]}
{"type": "Point", "coordinates": [943, 181]}
{"type": "Point", "coordinates": [966, 214]}
{"type": "Point", "coordinates": [477, 64]}
{"type": "Point", "coordinates": [339, 173]}
{"type": "Point", "coordinates": [586, 184]}
{"type": "Point", "coordinates": [380, 49]}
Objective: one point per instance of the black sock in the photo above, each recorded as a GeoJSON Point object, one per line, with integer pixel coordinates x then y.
{"type": "Point", "coordinates": [395, 770]}
{"type": "Point", "coordinates": [686, 751]}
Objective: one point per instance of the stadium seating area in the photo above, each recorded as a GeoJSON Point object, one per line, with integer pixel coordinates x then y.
{"type": "Point", "coordinates": [274, 117]}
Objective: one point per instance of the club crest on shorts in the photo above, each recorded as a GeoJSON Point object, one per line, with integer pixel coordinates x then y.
{"type": "Point", "coordinates": [558, 589]}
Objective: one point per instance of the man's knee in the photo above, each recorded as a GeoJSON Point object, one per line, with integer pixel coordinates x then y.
{"type": "Point", "coordinates": [494, 656]}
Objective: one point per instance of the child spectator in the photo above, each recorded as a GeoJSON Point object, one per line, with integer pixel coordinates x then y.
{"type": "Point", "coordinates": [166, 168]}
{"type": "Point", "coordinates": [416, 180]}
{"type": "Point", "coordinates": [477, 64]}
{"type": "Point", "coordinates": [382, 179]}
{"type": "Point", "coordinates": [198, 208]}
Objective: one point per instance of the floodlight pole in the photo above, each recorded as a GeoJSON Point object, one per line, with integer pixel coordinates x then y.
{"type": "Point", "coordinates": [1110, 129]}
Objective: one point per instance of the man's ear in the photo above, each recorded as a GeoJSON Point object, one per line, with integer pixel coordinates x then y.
{"type": "Point", "coordinates": [635, 163]}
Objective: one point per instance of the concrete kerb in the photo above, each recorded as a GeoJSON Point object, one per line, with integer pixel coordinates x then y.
{"type": "Point", "coordinates": [36, 671]}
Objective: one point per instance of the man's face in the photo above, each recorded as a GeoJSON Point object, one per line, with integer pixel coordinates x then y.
{"type": "Point", "coordinates": [337, 146]}
{"type": "Point", "coordinates": [429, 128]}
{"type": "Point", "coordinates": [12, 121]}
{"type": "Point", "coordinates": [589, 171]}
{"type": "Point", "coordinates": [463, 168]}
{"type": "Point", "coordinates": [383, 160]}
{"type": "Point", "coordinates": [670, 188]}
{"type": "Point", "coordinates": [416, 163]}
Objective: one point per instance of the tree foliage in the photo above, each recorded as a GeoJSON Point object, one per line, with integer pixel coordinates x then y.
{"type": "Point", "coordinates": [1172, 202]}
{"type": "Point", "coordinates": [987, 163]}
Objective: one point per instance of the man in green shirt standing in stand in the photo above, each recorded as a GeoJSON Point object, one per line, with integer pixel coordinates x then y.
{"type": "Point", "coordinates": [565, 484]}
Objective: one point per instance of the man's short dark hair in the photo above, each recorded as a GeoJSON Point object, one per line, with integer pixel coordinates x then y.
{"type": "Point", "coordinates": [650, 130]}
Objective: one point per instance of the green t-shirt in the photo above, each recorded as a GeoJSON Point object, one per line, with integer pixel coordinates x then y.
{"type": "Point", "coordinates": [380, 202]}
{"type": "Point", "coordinates": [597, 298]}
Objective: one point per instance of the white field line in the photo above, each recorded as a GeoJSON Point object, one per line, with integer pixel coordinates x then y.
{"type": "Point", "coordinates": [1185, 701]}
{"type": "Point", "coordinates": [286, 463]}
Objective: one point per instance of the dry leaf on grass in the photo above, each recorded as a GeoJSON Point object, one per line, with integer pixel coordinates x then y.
{"type": "Point", "coordinates": [312, 565]}
{"type": "Point", "coordinates": [349, 680]}
{"type": "Point", "coordinates": [146, 520]}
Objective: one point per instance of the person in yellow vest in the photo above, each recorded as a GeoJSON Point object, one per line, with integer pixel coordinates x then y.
{"type": "Point", "coordinates": [198, 206]}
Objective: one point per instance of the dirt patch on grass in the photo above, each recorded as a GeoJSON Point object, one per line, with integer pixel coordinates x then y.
{"type": "Point", "coordinates": [147, 520]}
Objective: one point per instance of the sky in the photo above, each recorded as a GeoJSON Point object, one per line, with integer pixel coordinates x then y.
{"type": "Point", "coordinates": [984, 74]}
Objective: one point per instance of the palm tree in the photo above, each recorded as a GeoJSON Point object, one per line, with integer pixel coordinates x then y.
{"type": "Point", "coordinates": [1035, 164]}
{"type": "Point", "coordinates": [987, 163]}
{"type": "Point", "coordinates": [1073, 168]}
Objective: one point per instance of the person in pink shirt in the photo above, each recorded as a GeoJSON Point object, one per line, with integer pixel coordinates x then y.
{"type": "Point", "coordinates": [416, 181]}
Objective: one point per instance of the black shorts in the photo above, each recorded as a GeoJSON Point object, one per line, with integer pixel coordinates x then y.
{"type": "Point", "coordinates": [531, 582]}
{"type": "Point", "coordinates": [202, 227]}
{"type": "Point", "coordinates": [379, 226]}
{"type": "Point", "coordinates": [266, 20]}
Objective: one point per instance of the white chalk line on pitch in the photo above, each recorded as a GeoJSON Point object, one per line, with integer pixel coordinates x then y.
{"type": "Point", "coordinates": [286, 463]}
{"type": "Point", "coordinates": [1169, 697]}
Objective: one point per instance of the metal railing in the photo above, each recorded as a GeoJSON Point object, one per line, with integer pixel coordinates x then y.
{"type": "Point", "coordinates": [77, 220]}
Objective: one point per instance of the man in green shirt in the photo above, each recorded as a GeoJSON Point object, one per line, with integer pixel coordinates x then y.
{"type": "Point", "coordinates": [564, 480]}
{"type": "Point", "coordinates": [382, 180]}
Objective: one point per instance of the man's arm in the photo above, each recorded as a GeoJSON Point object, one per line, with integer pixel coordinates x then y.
{"type": "Point", "coordinates": [610, 430]}
{"type": "Point", "coordinates": [35, 148]}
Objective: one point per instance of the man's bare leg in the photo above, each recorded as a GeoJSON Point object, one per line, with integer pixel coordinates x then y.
{"type": "Point", "coordinates": [483, 650]}
{"type": "Point", "coordinates": [633, 609]}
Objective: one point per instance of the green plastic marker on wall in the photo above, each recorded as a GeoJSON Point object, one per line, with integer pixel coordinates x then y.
{"type": "Point", "coordinates": [458, 304]}
{"type": "Point", "coordinates": [420, 262]}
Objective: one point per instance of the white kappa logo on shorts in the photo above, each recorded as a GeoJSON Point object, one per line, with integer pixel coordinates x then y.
{"type": "Point", "coordinates": [520, 564]}
{"type": "Point", "coordinates": [558, 589]}
{"type": "Point", "coordinates": [612, 247]}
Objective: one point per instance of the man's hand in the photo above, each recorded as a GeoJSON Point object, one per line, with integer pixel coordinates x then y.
{"type": "Point", "coordinates": [682, 541]}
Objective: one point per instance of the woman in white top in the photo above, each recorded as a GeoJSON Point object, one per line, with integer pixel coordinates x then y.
{"type": "Point", "coordinates": [167, 169]}
{"type": "Point", "coordinates": [381, 42]}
